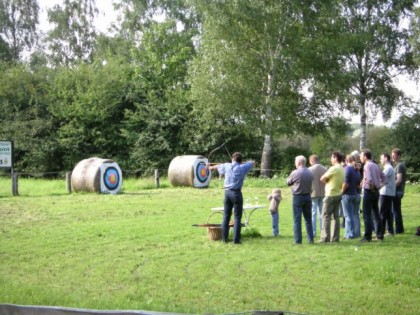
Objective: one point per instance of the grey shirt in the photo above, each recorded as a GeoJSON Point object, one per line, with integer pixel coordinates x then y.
{"type": "Point", "coordinates": [318, 187]}
{"type": "Point", "coordinates": [301, 181]}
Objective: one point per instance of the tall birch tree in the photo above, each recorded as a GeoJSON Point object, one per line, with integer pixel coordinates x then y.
{"type": "Point", "coordinates": [376, 49]}
{"type": "Point", "coordinates": [248, 71]}
{"type": "Point", "coordinates": [18, 25]}
{"type": "Point", "coordinates": [73, 36]}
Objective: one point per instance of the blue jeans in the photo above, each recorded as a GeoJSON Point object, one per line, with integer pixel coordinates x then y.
{"type": "Point", "coordinates": [275, 223]}
{"type": "Point", "coordinates": [385, 212]}
{"type": "Point", "coordinates": [370, 207]}
{"type": "Point", "coordinates": [399, 226]}
{"type": "Point", "coordinates": [316, 208]}
{"type": "Point", "coordinates": [233, 200]}
{"type": "Point", "coordinates": [302, 204]}
{"type": "Point", "coordinates": [351, 205]}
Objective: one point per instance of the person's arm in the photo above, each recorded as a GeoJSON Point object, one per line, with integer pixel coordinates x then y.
{"type": "Point", "coordinates": [212, 167]}
{"type": "Point", "coordinates": [367, 179]}
{"type": "Point", "coordinates": [291, 179]}
{"type": "Point", "coordinates": [344, 187]}
{"type": "Point", "coordinates": [384, 179]}
{"type": "Point", "coordinates": [398, 177]}
{"type": "Point", "coordinates": [325, 178]}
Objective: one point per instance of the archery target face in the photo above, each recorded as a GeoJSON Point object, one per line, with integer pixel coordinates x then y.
{"type": "Point", "coordinates": [111, 178]}
{"type": "Point", "coordinates": [202, 175]}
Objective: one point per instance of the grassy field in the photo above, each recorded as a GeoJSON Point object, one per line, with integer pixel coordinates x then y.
{"type": "Point", "coordinates": [139, 251]}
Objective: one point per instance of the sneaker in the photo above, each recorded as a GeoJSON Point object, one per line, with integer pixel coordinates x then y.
{"type": "Point", "coordinates": [365, 240]}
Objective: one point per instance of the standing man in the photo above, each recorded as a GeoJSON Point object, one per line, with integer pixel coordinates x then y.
{"type": "Point", "coordinates": [386, 195]}
{"type": "Point", "coordinates": [301, 181]}
{"type": "Point", "coordinates": [373, 180]}
{"type": "Point", "coordinates": [234, 179]}
{"type": "Point", "coordinates": [400, 173]}
{"type": "Point", "coordinates": [318, 190]}
{"type": "Point", "coordinates": [333, 180]}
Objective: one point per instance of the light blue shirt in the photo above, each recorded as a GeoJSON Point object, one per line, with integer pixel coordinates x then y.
{"type": "Point", "coordinates": [234, 174]}
{"type": "Point", "coordinates": [389, 188]}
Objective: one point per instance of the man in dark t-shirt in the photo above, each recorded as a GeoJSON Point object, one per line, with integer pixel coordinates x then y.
{"type": "Point", "coordinates": [400, 177]}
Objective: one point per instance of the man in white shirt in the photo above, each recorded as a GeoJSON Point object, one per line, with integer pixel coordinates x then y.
{"type": "Point", "coordinates": [387, 193]}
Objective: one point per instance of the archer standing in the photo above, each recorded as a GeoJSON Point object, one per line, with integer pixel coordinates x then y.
{"type": "Point", "coordinates": [234, 174]}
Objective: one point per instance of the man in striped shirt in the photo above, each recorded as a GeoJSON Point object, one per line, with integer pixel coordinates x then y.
{"type": "Point", "coordinates": [373, 180]}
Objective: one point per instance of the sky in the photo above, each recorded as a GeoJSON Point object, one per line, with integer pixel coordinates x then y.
{"type": "Point", "coordinates": [106, 16]}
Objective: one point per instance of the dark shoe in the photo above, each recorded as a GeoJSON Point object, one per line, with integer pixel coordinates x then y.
{"type": "Point", "coordinates": [365, 240]}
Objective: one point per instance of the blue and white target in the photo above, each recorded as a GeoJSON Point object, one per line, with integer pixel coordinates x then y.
{"type": "Point", "coordinates": [111, 178]}
{"type": "Point", "coordinates": [202, 175]}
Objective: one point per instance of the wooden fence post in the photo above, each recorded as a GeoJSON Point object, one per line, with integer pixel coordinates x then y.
{"type": "Point", "coordinates": [157, 178]}
{"type": "Point", "coordinates": [15, 183]}
{"type": "Point", "coordinates": [68, 182]}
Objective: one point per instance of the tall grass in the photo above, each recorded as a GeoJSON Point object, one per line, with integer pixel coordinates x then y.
{"type": "Point", "coordinates": [138, 250]}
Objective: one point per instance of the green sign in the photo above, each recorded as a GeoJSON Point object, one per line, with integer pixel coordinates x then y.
{"type": "Point", "coordinates": [6, 154]}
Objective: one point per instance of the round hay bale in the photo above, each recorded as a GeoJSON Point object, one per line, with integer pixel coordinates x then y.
{"type": "Point", "coordinates": [189, 170]}
{"type": "Point", "coordinates": [96, 175]}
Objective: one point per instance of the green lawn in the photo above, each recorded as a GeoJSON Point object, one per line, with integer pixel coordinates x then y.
{"type": "Point", "coordinates": [138, 250]}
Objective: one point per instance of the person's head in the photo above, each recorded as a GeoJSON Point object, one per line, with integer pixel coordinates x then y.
{"type": "Point", "coordinates": [396, 154]}
{"type": "Point", "coordinates": [336, 157]}
{"type": "Point", "coordinates": [350, 159]}
{"type": "Point", "coordinates": [300, 161]}
{"type": "Point", "coordinates": [365, 156]}
{"type": "Point", "coordinates": [237, 157]}
{"type": "Point", "coordinates": [356, 155]}
{"type": "Point", "coordinates": [276, 191]}
{"type": "Point", "coordinates": [313, 159]}
{"type": "Point", "coordinates": [385, 158]}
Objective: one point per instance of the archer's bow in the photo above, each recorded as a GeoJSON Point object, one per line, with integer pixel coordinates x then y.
{"type": "Point", "coordinates": [218, 148]}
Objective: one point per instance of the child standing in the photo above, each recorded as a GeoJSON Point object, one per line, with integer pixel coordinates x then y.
{"type": "Point", "coordinates": [275, 198]}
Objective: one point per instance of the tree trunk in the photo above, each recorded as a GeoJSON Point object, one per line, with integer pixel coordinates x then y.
{"type": "Point", "coordinates": [266, 156]}
{"type": "Point", "coordinates": [267, 152]}
{"type": "Point", "coordinates": [363, 116]}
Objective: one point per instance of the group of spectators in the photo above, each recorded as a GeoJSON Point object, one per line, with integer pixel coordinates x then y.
{"type": "Point", "coordinates": [352, 178]}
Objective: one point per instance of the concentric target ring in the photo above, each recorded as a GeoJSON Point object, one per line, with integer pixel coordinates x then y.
{"type": "Point", "coordinates": [111, 178]}
{"type": "Point", "coordinates": [201, 172]}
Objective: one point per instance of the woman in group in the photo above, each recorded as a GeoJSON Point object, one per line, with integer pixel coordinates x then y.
{"type": "Point", "coordinates": [351, 198]}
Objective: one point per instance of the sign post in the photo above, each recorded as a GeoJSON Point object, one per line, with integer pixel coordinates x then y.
{"type": "Point", "coordinates": [6, 154]}
{"type": "Point", "coordinates": [6, 161]}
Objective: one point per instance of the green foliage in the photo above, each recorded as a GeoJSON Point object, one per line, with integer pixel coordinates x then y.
{"type": "Point", "coordinates": [73, 37]}
{"type": "Point", "coordinates": [372, 46]}
{"type": "Point", "coordinates": [25, 118]}
{"type": "Point", "coordinates": [154, 128]}
{"type": "Point", "coordinates": [336, 137]}
{"type": "Point", "coordinates": [18, 21]}
{"type": "Point", "coordinates": [406, 136]}
{"type": "Point", "coordinates": [88, 103]}
{"type": "Point", "coordinates": [414, 38]}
